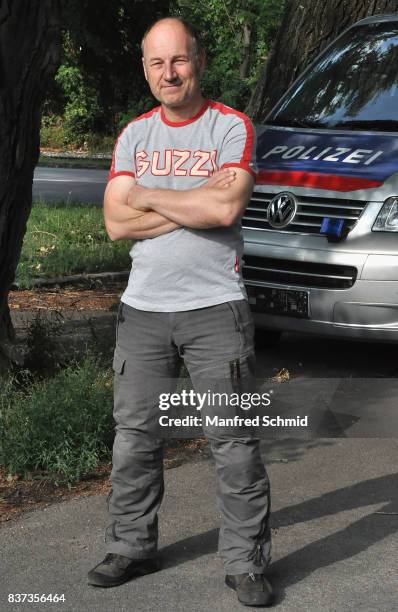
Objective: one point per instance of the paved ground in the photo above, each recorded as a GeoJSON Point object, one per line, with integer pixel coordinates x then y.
{"type": "Point", "coordinates": [335, 538]}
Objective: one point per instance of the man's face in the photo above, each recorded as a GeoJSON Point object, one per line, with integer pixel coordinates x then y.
{"type": "Point", "coordinates": [171, 65]}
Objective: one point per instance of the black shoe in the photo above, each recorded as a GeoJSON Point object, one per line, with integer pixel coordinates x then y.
{"type": "Point", "coordinates": [252, 589]}
{"type": "Point", "coordinates": [116, 569]}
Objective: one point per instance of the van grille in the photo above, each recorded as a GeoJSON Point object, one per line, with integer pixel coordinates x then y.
{"type": "Point", "coordinates": [262, 270]}
{"type": "Point", "coordinates": [310, 212]}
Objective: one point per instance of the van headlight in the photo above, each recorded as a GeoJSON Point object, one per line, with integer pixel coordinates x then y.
{"type": "Point", "coordinates": [387, 219]}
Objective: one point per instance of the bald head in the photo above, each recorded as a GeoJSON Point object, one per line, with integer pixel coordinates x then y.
{"type": "Point", "coordinates": [171, 26]}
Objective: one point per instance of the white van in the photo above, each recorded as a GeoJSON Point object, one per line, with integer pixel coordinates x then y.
{"type": "Point", "coordinates": [321, 229]}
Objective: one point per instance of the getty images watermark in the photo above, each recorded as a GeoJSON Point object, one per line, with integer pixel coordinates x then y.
{"type": "Point", "coordinates": [300, 408]}
{"type": "Point", "coordinates": [215, 403]}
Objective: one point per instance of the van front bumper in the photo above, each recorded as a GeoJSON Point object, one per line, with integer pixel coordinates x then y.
{"type": "Point", "coordinates": [366, 311]}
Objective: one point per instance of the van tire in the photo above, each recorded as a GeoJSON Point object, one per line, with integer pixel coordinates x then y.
{"type": "Point", "coordinates": [266, 338]}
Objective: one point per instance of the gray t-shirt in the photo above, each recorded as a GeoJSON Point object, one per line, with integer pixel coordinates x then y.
{"type": "Point", "coordinates": [187, 268]}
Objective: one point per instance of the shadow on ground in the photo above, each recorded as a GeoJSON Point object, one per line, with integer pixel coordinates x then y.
{"type": "Point", "coordinates": [350, 541]}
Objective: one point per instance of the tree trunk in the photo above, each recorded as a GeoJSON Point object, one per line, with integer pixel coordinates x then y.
{"type": "Point", "coordinates": [307, 27]}
{"type": "Point", "coordinates": [246, 41]}
{"type": "Point", "coordinates": [29, 54]}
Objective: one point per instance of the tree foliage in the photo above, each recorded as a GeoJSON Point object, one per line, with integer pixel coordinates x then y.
{"type": "Point", "coordinates": [237, 36]}
{"type": "Point", "coordinates": [100, 77]}
{"type": "Point", "coordinates": [82, 111]}
{"type": "Point", "coordinates": [100, 84]}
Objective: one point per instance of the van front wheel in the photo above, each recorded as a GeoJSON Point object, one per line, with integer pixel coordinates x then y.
{"type": "Point", "coordinates": [267, 338]}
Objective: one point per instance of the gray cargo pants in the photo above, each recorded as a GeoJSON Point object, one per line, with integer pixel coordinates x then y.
{"type": "Point", "coordinates": [217, 346]}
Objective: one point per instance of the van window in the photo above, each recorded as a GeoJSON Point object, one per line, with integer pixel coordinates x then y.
{"type": "Point", "coordinates": [353, 85]}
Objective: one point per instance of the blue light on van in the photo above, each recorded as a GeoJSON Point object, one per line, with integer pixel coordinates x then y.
{"type": "Point", "coordinates": [332, 228]}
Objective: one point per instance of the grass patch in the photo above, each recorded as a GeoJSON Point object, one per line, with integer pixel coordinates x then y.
{"type": "Point", "coordinates": [63, 239]}
{"type": "Point", "coordinates": [52, 134]}
{"type": "Point", "coordinates": [59, 428]}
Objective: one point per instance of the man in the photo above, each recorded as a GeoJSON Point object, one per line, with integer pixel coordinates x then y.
{"type": "Point", "coordinates": [180, 179]}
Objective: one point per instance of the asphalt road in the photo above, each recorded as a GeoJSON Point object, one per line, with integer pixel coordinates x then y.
{"type": "Point", "coordinates": [69, 185]}
{"type": "Point", "coordinates": [334, 539]}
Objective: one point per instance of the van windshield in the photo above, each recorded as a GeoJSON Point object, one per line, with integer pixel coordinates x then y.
{"type": "Point", "coordinates": [354, 85]}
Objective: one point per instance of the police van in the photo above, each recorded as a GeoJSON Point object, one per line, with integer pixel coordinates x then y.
{"type": "Point", "coordinates": [321, 229]}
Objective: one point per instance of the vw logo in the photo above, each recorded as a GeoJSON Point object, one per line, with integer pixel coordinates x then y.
{"type": "Point", "coordinates": [281, 210]}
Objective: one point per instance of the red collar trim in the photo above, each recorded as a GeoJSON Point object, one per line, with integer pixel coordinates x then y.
{"type": "Point", "coordinates": [200, 112]}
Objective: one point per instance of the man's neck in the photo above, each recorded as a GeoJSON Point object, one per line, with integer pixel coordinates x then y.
{"type": "Point", "coordinates": [177, 114]}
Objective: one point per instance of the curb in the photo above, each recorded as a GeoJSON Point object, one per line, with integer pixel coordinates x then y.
{"type": "Point", "coordinates": [75, 155]}
{"type": "Point", "coordinates": [75, 279]}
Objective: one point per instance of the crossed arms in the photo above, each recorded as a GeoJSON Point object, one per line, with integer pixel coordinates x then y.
{"type": "Point", "coordinates": [135, 212]}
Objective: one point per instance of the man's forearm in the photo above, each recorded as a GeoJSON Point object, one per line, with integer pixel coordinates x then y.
{"type": "Point", "coordinates": [124, 222]}
{"type": "Point", "coordinates": [199, 208]}
{"type": "Point", "coordinates": [148, 225]}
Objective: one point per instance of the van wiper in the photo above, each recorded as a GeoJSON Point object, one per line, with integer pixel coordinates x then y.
{"type": "Point", "coordinates": [383, 125]}
{"type": "Point", "coordinates": [295, 123]}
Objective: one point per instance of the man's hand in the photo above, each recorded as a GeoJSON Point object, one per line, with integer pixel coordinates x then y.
{"type": "Point", "coordinates": [220, 179]}
{"type": "Point", "coordinates": [136, 198]}
{"type": "Point", "coordinates": [138, 195]}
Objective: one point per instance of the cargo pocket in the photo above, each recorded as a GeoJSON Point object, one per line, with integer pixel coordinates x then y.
{"type": "Point", "coordinates": [120, 386]}
{"type": "Point", "coordinates": [119, 362]}
{"type": "Point", "coordinates": [119, 318]}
